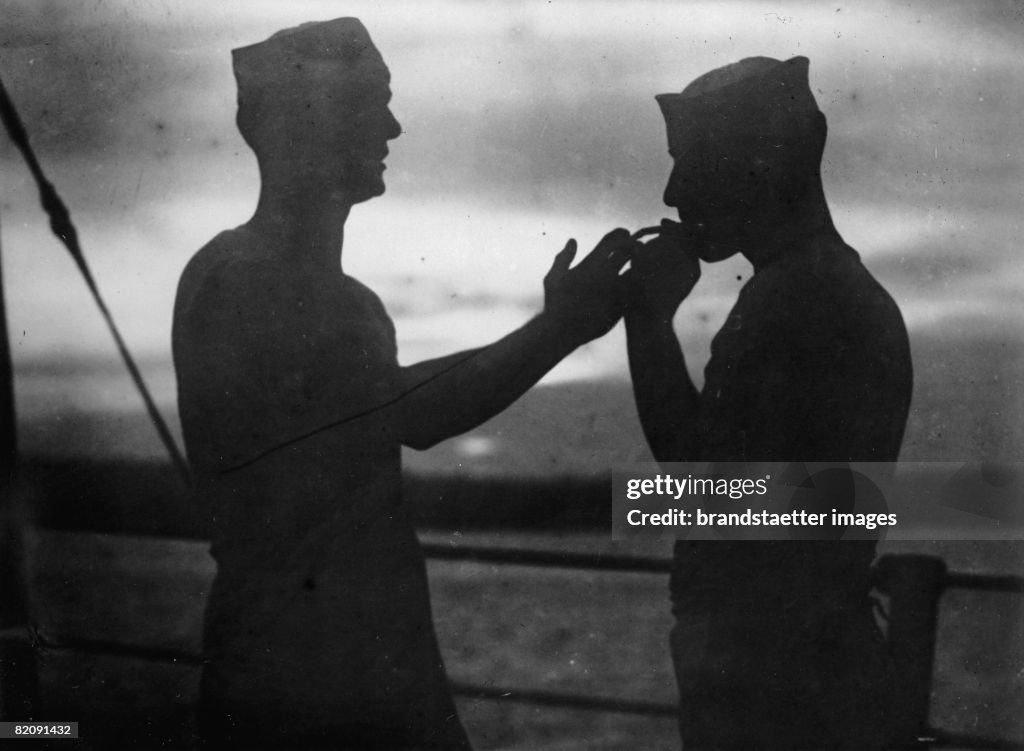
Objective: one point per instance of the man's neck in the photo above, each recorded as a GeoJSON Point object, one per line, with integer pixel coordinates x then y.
{"type": "Point", "coordinates": [774, 238]}
{"type": "Point", "coordinates": [303, 224]}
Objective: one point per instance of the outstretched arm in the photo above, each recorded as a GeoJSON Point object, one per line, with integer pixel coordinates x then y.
{"type": "Point", "coordinates": [662, 275]}
{"type": "Point", "coordinates": [450, 395]}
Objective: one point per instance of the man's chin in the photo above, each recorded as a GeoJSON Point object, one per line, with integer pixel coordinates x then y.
{"type": "Point", "coordinates": [369, 192]}
{"type": "Point", "coordinates": [713, 252]}
{"type": "Point", "coordinates": [360, 193]}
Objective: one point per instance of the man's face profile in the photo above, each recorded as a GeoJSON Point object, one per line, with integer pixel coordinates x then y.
{"type": "Point", "coordinates": [746, 140]}
{"type": "Point", "coordinates": [717, 185]}
{"type": "Point", "coordinates": [354, 129]}
{"type": "Point", "coordinates": [314, 106]}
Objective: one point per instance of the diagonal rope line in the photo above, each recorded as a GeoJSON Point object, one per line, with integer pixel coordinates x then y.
{"type": "Point", "coordinates": [351, 417]}
{"type": "Point", "coordinates": [64, 228]}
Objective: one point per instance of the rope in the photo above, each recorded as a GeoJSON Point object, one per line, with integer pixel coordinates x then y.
{"type": "Point", "coordinates": [64, 228]}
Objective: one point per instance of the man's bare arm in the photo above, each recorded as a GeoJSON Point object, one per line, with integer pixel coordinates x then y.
{"type": "Point", "coordinates": [451, 395]}
{"type": "Point", "coordinates": [446, 397]}
{"type": "Point", "coordinates": [666, 399]}
{"type": "Point", "coordinates": [662, 275]}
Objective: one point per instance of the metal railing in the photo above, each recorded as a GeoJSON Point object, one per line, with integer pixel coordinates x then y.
{"type": "Point", "coordinates": [929, 738]}
{"type": "Point", "coordinates": [617, 563]}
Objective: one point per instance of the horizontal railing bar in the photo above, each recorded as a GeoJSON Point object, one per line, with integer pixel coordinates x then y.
{"type": "Point", "coordinates": [932, 738]}
{"type": "Point", "coordinates": [566, 701]}
{"type": "Point", "coordinates": [527, 696]}
{"type": "Point", "coordinates": [944, 739]}
{"type": "Point", "coordinates": [646, 564]}
{"type": "Point", "coordinates": [986, 582]}
{"type": "Point", "coordinates": [41, 645]}
{"type": "Point", "coordinates": [548, 558]}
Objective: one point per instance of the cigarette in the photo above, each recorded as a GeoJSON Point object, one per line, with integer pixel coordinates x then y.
{"type": "Point", "coordinates": [646, 231]}
{"type": "Point", "coordinates": [667, 225]}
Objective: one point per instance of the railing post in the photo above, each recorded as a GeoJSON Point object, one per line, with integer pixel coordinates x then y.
{"type": "Point", "coordinates": [915, 584]}
{"type": "Point", "coordinates": [17, 663]}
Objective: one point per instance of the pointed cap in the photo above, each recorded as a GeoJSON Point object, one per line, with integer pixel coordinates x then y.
{"type": "Point", "coordinates": [757, 95]}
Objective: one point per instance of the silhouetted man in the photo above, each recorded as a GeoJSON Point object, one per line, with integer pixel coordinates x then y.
{"type": "Point", "coordinates": [775, 646]}
{"type": "Point", "coordinates": [318, 631]}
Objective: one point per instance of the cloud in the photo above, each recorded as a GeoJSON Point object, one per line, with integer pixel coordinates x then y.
{"type": "Point", "coordinates": [526, 123]}
{"type": "Point", "coordinates": [530, 106]}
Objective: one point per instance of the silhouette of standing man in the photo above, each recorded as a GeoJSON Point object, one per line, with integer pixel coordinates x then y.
{"type": "Point", "coordinates": [318, 631]}
{"type": "Point", "coordinates": [774, 644]}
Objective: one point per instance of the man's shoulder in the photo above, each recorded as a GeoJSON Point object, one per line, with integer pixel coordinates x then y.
{"type": "Point", "coordinates": [222, 275]}
{"type": "Point", "coordinates": [823, 287]}
{"type": "Point", "coordinates": [234, 251]}
{"type": "Point", "coordinates": [814, 303]}
{"type": "Point", "coordinates": [226, 262]}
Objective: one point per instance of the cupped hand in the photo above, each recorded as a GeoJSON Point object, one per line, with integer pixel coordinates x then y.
{"type": "Point", "coordinates": [590, 297]}
{"type": "Point", "coordinates": [663, 272]}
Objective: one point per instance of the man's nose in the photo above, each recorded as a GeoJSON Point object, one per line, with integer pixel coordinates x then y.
{"type": "Point", "coordinates": [394, 128]}
{"type": "Point", "coordinates": [673, 189]}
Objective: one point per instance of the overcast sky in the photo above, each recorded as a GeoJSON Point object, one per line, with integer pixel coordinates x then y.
{"type": "Point", "coordinates": [525, 123]}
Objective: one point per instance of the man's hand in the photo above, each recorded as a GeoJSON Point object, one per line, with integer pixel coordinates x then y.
{"type": "Point", "coordinates": [589, 298]}
{"type": "Point", "coordinates": [663, 273]}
